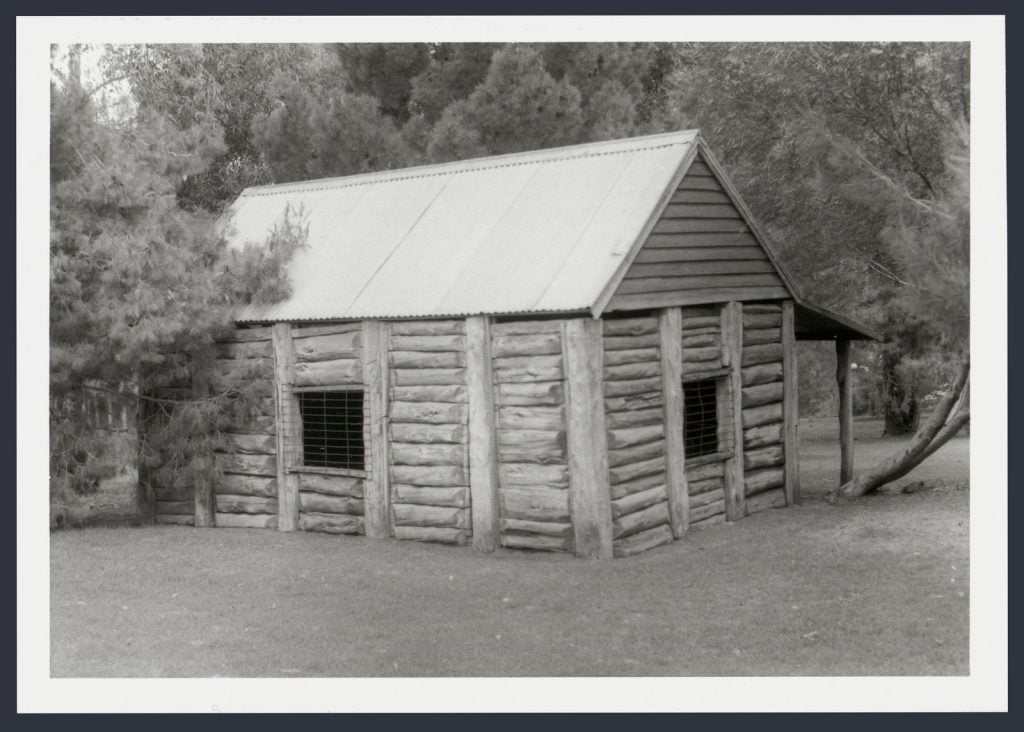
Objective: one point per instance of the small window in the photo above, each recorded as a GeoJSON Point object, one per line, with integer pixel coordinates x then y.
{"type": "Point", "coordinates": [701, 424]}
{"type": "Point", "coordinates": [332, 429]}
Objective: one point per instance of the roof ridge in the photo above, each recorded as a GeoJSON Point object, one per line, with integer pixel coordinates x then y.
{"type": "Point", "coordinates": [525, 157]}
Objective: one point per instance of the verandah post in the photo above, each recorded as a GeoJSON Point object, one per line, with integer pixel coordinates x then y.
{"type": "Point", "coordinates": [483, 446]}
{"type": "Point", "coordinates": [790, 406]}
{"type": "Point", "coordinates": [843, 362]}
{"type": "Point", "coordinates": [589, 487]}
{"type": "Point", "coordinates": [376, 497]}
{"type": "Point", "coordinates": [732, 357]}
{"type": "Point", "coordinates": [670, 326]}
{"type": "Point", "coordinates": [288, 428]}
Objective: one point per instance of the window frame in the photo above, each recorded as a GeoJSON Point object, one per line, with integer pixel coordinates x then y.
{"type": "Point", "coordinates": [298, 432]}
{"type": "Point", "coordinates": [723, 413]}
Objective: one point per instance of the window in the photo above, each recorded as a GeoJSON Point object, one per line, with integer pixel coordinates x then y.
{"type": "Point", "coordinates": [332, 429]}
{"type": "Point", "coordinates": [700, 399]}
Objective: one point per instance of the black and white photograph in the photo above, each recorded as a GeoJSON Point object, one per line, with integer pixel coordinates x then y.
{"type": "Point", "coordinates": [517, 356]}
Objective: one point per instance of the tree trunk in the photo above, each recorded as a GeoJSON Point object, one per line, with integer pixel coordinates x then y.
{"type": "Point", "coordinates": [901, 409]}
{"type": "Point", "coordinates": [939, 428]}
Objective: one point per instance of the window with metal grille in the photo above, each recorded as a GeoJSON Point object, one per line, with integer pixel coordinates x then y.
{"type": "Point", "coordinates": [700, 430]}
{"type": "Point", "coordinates": [332, 429]}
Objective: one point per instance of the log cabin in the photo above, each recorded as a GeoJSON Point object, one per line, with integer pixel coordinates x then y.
{"type": "Point", "coordinates": [588, 349]}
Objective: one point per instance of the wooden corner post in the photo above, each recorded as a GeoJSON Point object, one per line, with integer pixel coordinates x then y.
{"type": "Point", "coordinates": [376, 373]}
{"type": "Point", "coordinates": [288, 428]}
{"type": "Point", "coordinates": [790, 406]}
{"type": "Point", "coordinates": [589, 488]}
{"type": "Point", "coordinates": [843, 362]}
{"type": "Point", "coordinates": [732, 358]}
{"type": "Point", "coordinates": [205, 497]}
{"type": "Point", "coordinates": [670, 326]}
{"type": "Point", "coordinates": [483, 443]}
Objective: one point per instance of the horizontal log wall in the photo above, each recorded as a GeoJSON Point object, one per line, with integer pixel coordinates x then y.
{"type": "Point", "coordinates": [764, 456]}
{"type": "Point", "coordinates": [529, 402]}
{"type": "Point", "coordinates": [635, 427]}
{"type": "Point", "coordinates": [329, 356]}
{"type": "Point", "coordinates": [429, 439]}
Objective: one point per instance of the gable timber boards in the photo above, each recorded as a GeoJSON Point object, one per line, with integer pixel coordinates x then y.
{"type": "Point", "coordinates": [703, 248]}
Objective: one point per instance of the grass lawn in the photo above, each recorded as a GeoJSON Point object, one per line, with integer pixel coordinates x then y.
{"type": "Point", "coordinates": [874, 586]}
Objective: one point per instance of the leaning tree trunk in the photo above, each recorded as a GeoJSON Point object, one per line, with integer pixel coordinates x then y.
{"type": "Point", "coordinates": [934, 433]}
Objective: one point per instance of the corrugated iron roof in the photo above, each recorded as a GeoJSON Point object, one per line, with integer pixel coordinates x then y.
{"type": "Point", "coordinates": [534, 232]}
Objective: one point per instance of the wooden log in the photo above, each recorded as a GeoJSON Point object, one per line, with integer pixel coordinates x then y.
{"type": "Point", "coordinates": [757, 481]}
{"type": "Point", "coordinates": [638, 484]}
{"type": "Point", "coordinates": [331, 523]}
{"type": "Point", "coordinates": [636, 453]}
{"type": "Point", "coordinates": [762, 374]}
{"type": "Point", "coordinates": [700, 513]}
{"type": "Point", "coordinates": [589, 490]}
{"type": "Point", "coordinates": [332, 485]}
{"type": "Point", "coordinates": [691, 355]}
{"type": "Point", "coordinates": [633, 402]}
{"type": "Point", "coordinates": [425, 360]}
{"type": "Point", "coordinates": [459, 537]}
{"type": "Point", "coordinates": [289, 432]}
{"type": "Point", "coordinates": [630, 343]}
{"type": "Point", "coordinates": [247, 464]}
{"type": "Point", "coordinates": [429, 377]}
{"type": "Point", "coordinates": [700, 319]}
{"type": "Point", "coordinates": [332, 347]}
{"type": "Point", "coordinates": [670, 330]}
{"type": "Point", "coordinates": [531, 418]}
{"type": "Point", "coordinates": [732, 409]}
{"type": "Point", "coordinates": [630, 437]}
{"type": "Point", "coordinates": [434, 475]}
{"type": "Point", "coordinates": [521, 475]}
{"type": "Point", "coordinates": [536, 542]}
{"type": "Point", "coordinates": [266, 425]}
{"type": "Point", "coordinates": [706, 497]}
{"type": "Point", "coordinates": [790, 405]}
{"type": "Point", "coordinates": [447, 394]}
{"type": "Point", "coordinates": [428, 433]}
{"type": "Point", "coordinates": [377, 342]}
{"type": "Point", "coordinates": [414, 514]}
{"type": "Point", "coordinates": [175, 518]}
{"type": "Point", "coordinates": [244, 334]}
{"type": "Point", "coordinates": [756, 396]}
{"type": "Point", "coordinates": [532, 446]}
{"type": "Point", "coordinates": [769, 499]}
{"type": "Point", "coordinates": [245, 504]}
{"type": "Point", "coordinates": [301, 330]}
{"type": "Point", "coordinates": [183, 508]}
{"type": "Point", "coordinates": [755, 321]}
{"type": "Point", "coordinates": [519, 362]}
{"type": "Point", "coordinates": [428, 343]}
{"type": "Point", "coordinates": [643, 541]}
{"type": "Point", "coordinates": [526, 345]}
{"type": "Point", "coordinates": [704, 471]}
{"type": "Point", "coordinates": [163, 492]}
{"type": "Point", "coordinates": [768, 353]}
{"type": "Point", "coordinates": [634, 355]}
{"type": "Point", "coordinates": [763, 457]}
{"type": "Point", "coordinates": [757, 308]}
{"type": "Point", "coordinates": [455, 497]}
{"type": "Point", "coordinates": [544, 528]}
{"type": "Point", "coordinates": [765, 414]}
{"type": "Point", "coordinates": [246, 485]}
{"type": "Point", "coordinates": [694, 369]}
{"type": "Point", "coordinates": [627, 371]}
{"type": "Point", "coordinates": [629, 326]}
{"type": "Point", "coordinates": [536, 505]}
{"type": "Point", "coordinates": [483, 447]}
{"type": "Point", "coordinates": [641, 520]}
{"type": "Point", "coordinates": [695, 343]}
{"type": "Point", "coordinates": [321, 503]}
{"type": "Point", "coordinates": [427, 327]}
{"type": "Point", "coordinates": [526, 374]}
{"type": "Point", "coordinates": [328, 373]}
{"type": "Point", "coordinates": [638, 501]}
{"type": "Point", "coordinates": [531, 394]}
{"type": "Point", "coordinates": [245, 350]}
{"type": "Point", "coordinates": [246, 520]}
{"type": "Point", "coordinates": [526, 327]}
{"type": "Point", "coordinates": [429, 412]}
{"type": "Point", "coordinates": [411, 453]}
{"type": "Point", "coordinates": [767, 434]}
{"type": "Point", "coordinates": [638, 418]}
{"type": "Point", "coordinates": [845, 386]}
{"type": "Point", "coordinates": [760, 336]}
{"type": "Point", "coordinates": [614, 389]}
{"type": "Point", "coordinates": [253, 444]}
{"type": "Point", "coordinates": [626, 473]}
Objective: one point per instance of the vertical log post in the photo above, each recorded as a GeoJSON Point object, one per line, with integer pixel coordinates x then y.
{"type": "Point", "coordinates": [376, 498]}
{"type": "Point", "coordinates": [205, 500]}
{"type": "Point", "coordinates": [483, 444]}
{"type": "Point", "coordinates": [589, 488]}
{"type": "Point", "coordinates": [670, 325]}
{"type": "Point", "coordinates": [790, 406]}
{"type": "Point", "coordinates": [732, 358]}
{"type": "Point", "coordinates": [843, 359]}
{"type": "Point", "coordinates": [288, 428]}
